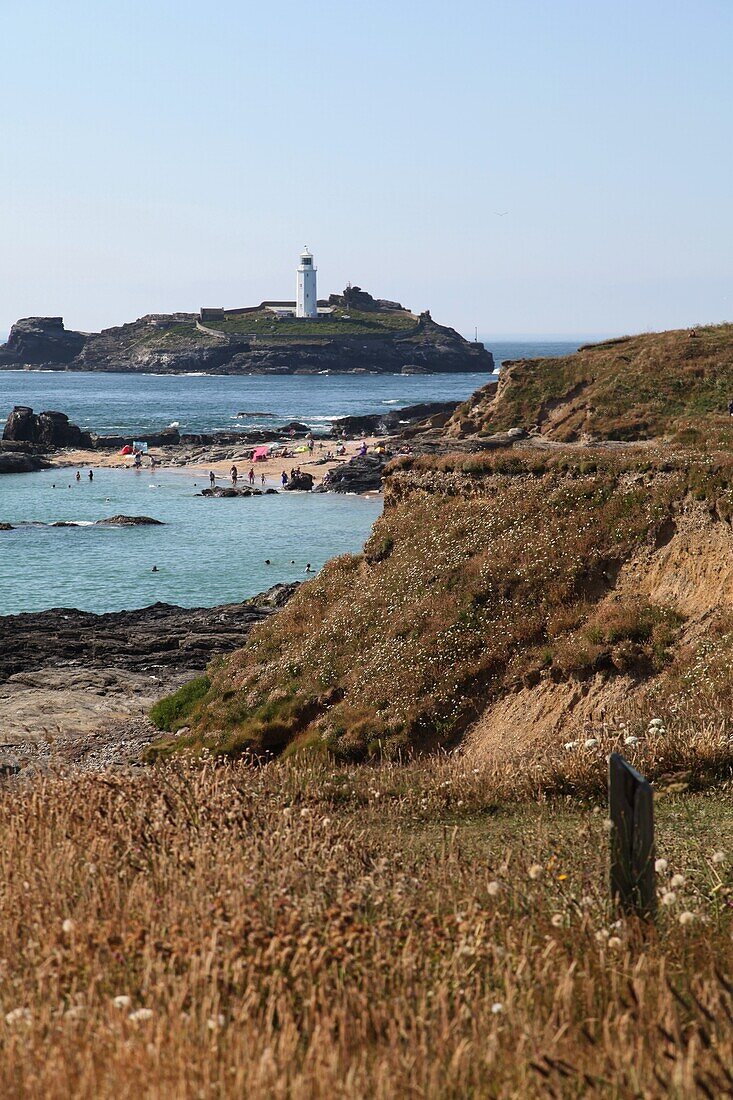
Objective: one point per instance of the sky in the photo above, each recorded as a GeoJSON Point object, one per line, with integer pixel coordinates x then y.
{"type": "Point", "coordinates": [527, 167]}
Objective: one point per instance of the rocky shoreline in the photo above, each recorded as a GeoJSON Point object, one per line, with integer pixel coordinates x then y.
{"type": "Point", "coordinates": [179, 343]}
{"type": "Point", "coordinates": [75, 687]}
{"type": "Point", "coordinates": [36, 441]}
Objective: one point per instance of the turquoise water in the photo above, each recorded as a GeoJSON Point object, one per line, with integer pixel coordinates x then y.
{"type": "Point", "coordinates": [210, 550]}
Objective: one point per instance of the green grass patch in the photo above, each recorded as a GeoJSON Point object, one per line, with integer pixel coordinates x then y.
{"type": "Point", "coordinates": [355, 323]}
{"type": "Point", "coordinates": [174, 710]}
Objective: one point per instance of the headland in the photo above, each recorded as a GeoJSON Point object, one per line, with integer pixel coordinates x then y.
{"type": "Point", "coordinates": [358, 334]}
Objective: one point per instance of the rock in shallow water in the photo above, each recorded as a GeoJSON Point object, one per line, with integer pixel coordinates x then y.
{"type": "Point", "coordinates": [128, 521]}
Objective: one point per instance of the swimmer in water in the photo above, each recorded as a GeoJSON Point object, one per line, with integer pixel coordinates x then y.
{"type": "Point", "coordinates": [154, 569]}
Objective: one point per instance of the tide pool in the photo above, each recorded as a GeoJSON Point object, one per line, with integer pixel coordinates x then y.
{"type": "Point", "coordinates": [210, 550]}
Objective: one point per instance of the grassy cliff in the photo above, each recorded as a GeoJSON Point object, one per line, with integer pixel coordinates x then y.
{"type": "Point", "coordinates": [507, 599]}
{"type": "Point", "coordinates": [637, 387]}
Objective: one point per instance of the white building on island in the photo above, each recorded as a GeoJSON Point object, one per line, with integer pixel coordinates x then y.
{"type": "Point", "coordinates": [306, 304]}
{"type": "Point", "coordinates": [306, 299]}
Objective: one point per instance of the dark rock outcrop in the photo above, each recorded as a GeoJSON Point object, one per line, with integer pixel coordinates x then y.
{"type": "Point", "coordinates": [46, 429]}
{"type": "Point", "coordinates": [353, 297]}
{"type": "Point", "coordinates": [293, 427]}
{"type": "Point", "coordinates": [6, 527]}
{"type": "Point", "coordinates": [386, 423]}
{"type": "Point", "coordinates": [34, 341]}
{"type": "Point", "coordinates": [229, 491]}
{"type": "Point", "coordinates": [301, 481]}
{"type": "Point", "coordinates": [161, 636]}
{"type": "Point", "coordinates": [362, 474]}
{"type": "Point", "coordinates": [129, 521]}
{"type": "Point", "coordinates": [17, 462]}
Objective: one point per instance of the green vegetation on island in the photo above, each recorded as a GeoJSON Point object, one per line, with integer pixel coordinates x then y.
{"type": "Point", "coordinates": [263, 322]}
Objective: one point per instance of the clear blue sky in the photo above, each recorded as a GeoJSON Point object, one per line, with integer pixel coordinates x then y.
{"type": "Point", "coordinates": [164, 154]}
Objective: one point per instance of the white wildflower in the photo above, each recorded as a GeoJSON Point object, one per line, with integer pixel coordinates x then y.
{"type": "Point", "coordinates": [18, 1016]}
{"type": "Point", "coordinates": [557, 920]}
{"type": "Point", "coordinates": [631, 741]}
{"type": "Point", "coordinates": [614, 942]}
{"type": "Point", "coordinates": [493, 889]}
{"type": "Point", "coordinates": [68, 926]}
{"type": "Point", "coordinates": [669, 897]}
{"type": "Point", "coordinates": [677, 880]}
{"type": "Point", "coordinates": [608, 825]}
{"type": "Point", "coordinates": [122, 1001]}
{"type": "Point", "coordinates": [140, 1014]}
{"type": "Point", "coordinates": [687, 917]}
{"type": "Point", "coordinates": [661, 865]}
{"type": "Point", "coordinates": [497, 1008]}
{"type": "Point", "coordinates": [718, 857]}
{"type": "Point", "coordinates": [535, 871]}
{"type": "Point", "coordinates": [591, 742]}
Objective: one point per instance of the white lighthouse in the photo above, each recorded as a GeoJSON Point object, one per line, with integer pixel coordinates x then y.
{"type": "Point", "coordinates": [306, 298]}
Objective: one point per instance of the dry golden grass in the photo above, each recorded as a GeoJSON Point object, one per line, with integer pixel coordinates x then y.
{"type": "Point", "coordinates": [312, 930]}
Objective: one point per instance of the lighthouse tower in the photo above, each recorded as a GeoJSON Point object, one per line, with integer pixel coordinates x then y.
{"type": "Point", "coordinates": [306, 299]}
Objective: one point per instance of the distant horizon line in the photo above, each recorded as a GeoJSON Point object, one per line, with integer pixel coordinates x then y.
{"type": "Point", "coordinates": [545, 337]}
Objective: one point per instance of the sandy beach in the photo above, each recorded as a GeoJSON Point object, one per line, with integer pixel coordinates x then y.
{"type": "Point", "coordinates": [220, 464]}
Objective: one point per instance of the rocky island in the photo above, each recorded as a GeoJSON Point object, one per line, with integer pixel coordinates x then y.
{"type": "Point", "coordinates": [354, 334]}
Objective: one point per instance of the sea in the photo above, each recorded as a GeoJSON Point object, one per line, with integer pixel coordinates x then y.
{"type": "Point", "coordinates": [207, 551]}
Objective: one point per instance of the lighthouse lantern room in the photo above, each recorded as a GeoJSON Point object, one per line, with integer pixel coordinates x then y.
{"type": "Point", "coordinates": [306, 298]}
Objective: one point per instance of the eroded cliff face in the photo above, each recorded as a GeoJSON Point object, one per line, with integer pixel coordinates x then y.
{"type": "Point", "coordinates": [503, 600]}
{"type": "Point", "coordinates": [37, 340]}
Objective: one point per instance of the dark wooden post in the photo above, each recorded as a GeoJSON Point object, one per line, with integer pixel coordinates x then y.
{"type": "Point", "coordinates": [631, 807]}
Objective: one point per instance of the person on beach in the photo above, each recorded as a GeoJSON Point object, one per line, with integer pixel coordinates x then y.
{"type": "Point", "coordinates": [212, 478]}
{"type": "Point", "coordinates": [284, 479]}
{"type": "Point", "coordinates": [234, 475]}
{"type": "Point", "coordinates": [262, 478]}
{"type": "Point", "coordinates": [308, 568]}
{"type": "Point", "coordinates": [251, 475]}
